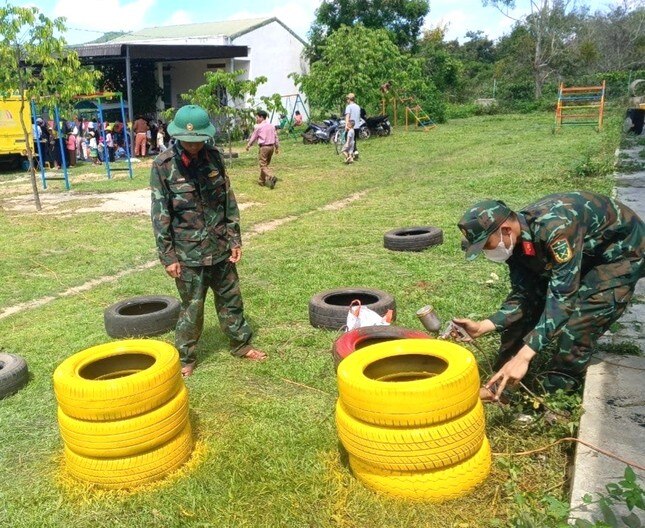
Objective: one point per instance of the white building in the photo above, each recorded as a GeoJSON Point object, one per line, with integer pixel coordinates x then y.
{"type": "Point", "coordinates": [182, 54]}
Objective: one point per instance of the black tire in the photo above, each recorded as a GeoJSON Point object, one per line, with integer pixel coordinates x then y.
{"type": "Point", "coordinates": [13, 374]}
{"type": "Point", "coordinates": [364, 133]}
{"type": "Point", "coordinates": [328, 309]}
{"type": "Point", "coordinates": [464, 244]}
{"type": "Point", "coordinates": [337, 141]}
{"type": "Point", "coordinates": [413, 238]}
{"type": "Point", "coordinates": [148, 315]}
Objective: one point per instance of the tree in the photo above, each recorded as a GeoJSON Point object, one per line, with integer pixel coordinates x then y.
{"type": "Point", "coordinates": [36, 64]}
{"type": "Point", "coordinates": [401, 18]}
{"type": "Point", "coordinates": [360, 60]}
{"type": "Point", "coordinates": [231, 99]}
{"type": "Point", "coordinates": [440, 62]}
{"type": "Point", "coordinates": [145, 88]}
{"type": "Point", "coordinates": [552, 25]}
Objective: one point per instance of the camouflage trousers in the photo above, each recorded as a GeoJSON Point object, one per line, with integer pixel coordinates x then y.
{"type": "Point", "coordinates": [193, 285]}
{"type": "Point", "coordinates": [601, 302]}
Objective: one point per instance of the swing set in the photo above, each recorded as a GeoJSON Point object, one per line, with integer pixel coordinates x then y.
{"type": "Point", "coordinates": [292, 103]}
{"type": "Point", "coordinates": [98, 99]}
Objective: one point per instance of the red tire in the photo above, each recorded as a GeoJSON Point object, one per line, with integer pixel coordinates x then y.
{"type": "Point", "coordinates": [356, 339]}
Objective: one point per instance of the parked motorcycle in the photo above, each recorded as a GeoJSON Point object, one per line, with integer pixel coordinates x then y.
{"type": "Point", "coordinates": [379, 125]}
{"type": "Point", "coordinates": [321, 133]}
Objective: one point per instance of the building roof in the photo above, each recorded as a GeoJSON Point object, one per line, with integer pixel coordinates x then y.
{"type": "Point", "coordinates": [107, 51]}
{"type": "Point", "coordinates": [230, 29]}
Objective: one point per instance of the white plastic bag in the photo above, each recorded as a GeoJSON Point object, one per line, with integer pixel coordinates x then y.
{"type": "Point", "coordinates": [359, 316]}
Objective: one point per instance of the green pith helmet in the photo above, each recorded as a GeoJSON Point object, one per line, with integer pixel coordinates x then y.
{"type": "Point", "coordinates": [480, 222]}
{"type": "Point", "coordinates": [191, 124]}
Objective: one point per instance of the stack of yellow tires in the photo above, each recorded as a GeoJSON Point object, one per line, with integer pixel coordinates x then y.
{"type": "Point", "coordinates": [123, 413]}
{"type": "Point", "coordinates": [410, 418]}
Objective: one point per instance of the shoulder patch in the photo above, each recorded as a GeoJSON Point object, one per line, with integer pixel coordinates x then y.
{"type": "Point", "coordinates": [561, 250]}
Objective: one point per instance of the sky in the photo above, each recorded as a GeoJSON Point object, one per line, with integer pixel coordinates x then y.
{"type": "Point", "coordinates": [89, 20]}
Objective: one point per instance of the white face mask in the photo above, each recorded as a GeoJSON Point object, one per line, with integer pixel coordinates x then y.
{"type": "Point", "coordinates": [501, 253]}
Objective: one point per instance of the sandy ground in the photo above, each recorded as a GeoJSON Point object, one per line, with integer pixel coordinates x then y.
{"type": "Point", "coordinates": [118, 202]}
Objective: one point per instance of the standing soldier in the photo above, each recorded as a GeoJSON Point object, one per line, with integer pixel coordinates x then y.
{"type": "Point", "coordinates": [574, 261]}
{"type": "Point", "coordinates": [196, 223]}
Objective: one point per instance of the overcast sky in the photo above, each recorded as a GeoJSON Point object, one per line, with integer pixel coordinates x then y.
{"type": "Point", "coordinates": [89, 19]}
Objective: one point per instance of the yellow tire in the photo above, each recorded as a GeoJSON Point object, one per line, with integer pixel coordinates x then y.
{"type": "Point", "coordinates": [409, 382]}
{"type": "Point", "coordinates": [433, 485]}
{"type": "Point", "coordinates": [130, 472]}
{"type": "Point", "coordinates": [118, 380]}
{"type": "Point", "coordinates": [127, 437]}
{"type": "Point", "coordinates": [415, 448]}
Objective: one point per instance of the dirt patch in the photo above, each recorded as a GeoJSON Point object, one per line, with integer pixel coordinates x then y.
{"type": "Point", "coordinates": [129, 202]}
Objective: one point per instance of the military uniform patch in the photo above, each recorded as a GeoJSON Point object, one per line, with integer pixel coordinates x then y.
{"type": "Point", "coordinates": [561, 250]}
{"type": "Point", "coordinates": [213, 174]}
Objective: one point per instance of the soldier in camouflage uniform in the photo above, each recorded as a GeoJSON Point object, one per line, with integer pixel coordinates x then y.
{"type": "Point", "coordinates": [196, 223]}
{"type": "Point", "coordinates": [574, 260]}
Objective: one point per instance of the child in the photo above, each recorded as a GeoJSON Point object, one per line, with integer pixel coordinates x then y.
{"type": "Point", "coordinates": [161, 136]}
{"type": "Point", "coordinates": [348, 147]}
{"type": "Point", "coordinates": [94, 150]}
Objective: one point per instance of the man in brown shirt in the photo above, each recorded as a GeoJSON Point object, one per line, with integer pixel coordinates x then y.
{"type": "Point", "coordinates": [140, 129]}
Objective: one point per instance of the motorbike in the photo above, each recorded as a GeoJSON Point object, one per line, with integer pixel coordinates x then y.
{"type": "Point", "coordinates": [378, 125]}
{"type": "Point", "coordinates": [321, 133]}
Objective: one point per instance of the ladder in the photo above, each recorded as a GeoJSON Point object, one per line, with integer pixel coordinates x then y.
{"type": "Point", "coordinates": [418, 114]}
{"type": "Point", "coordinates": [580, 105]}
{"type": "Point", "coordinates": [413, 112]}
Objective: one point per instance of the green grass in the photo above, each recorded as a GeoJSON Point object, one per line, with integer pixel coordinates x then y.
{"type": "Point", "coordinates": [268, 453]}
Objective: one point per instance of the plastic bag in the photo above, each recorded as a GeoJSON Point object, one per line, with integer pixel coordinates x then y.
{"type": "Point", "coordinates": [359, 316]}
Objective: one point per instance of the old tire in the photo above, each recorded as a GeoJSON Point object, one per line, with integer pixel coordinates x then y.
{"type": "Point", "coordinates": [328, 309]}
{"type": "Point", "coordinates": [429, 485]}
{"type": "Point", "coordinates": [13, 374]}
{"type": "Point", "coordinates": [127, 437]}
{"type": "Point", "coordinates": [415, 238]}
{"type": "Point", "coordinates": [118, 380]}
{"type": "Point", "coordinates": [144, 316]}
{"type": "Point", "coordinates": [359, 338]}
{"type": "Point", "coordinates": [412, 448]}
{"type": "Point", "coordinates": [409, 382]}
{"type": "Point", "coordinates": [133, 471]}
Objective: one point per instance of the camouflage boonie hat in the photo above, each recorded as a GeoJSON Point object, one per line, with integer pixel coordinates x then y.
{"type": "Point", "coordinates": [480, 222]}
{"type": "Point", "coordinates": [191, 124]}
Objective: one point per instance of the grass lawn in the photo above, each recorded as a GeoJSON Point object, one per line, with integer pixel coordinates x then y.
{"type": "Point", "coordinates": [267, 452]}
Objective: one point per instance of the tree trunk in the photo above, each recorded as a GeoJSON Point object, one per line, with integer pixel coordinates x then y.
{"type": "Point", "coordinates": [30, 155]}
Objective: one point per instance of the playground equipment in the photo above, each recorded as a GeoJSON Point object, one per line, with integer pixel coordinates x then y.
{"type": "Point", "coordinates": [97, 98]}
{"type": "Point", "coordinates": [580, 105]}
{"type": "Point", "coordinates": [292, 102]}
{"type": "Point", "coordinates": [414, 113]}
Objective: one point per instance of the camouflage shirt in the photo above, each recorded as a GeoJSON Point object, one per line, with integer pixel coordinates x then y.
{"type": "Point", "coordinates": [195, 217]}
{"type": "Point", "coordinates": [563, 237]}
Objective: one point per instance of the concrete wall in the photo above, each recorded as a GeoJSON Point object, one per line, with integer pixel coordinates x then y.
{"type": "Point", "coordinates": [274, 53]}
{"type": "Point", "coordinates": [188, 75]}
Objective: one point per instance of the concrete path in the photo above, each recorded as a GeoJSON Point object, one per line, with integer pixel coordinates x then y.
{"type": "Point", "coordinates": [614, 395]}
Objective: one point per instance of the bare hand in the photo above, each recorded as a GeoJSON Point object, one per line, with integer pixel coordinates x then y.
{"type": "Point", "coordinates": [475, 328]}
{"type": "Point", "coordinates": [174, 270]}
{"type": "Point", "coordinates": [512, 372]}
{"type": "Point", "coordinates": [236, 255]}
